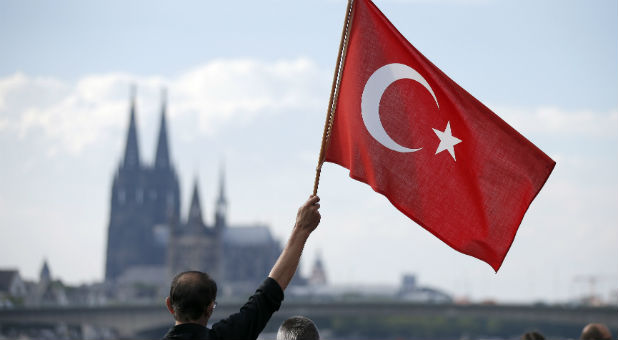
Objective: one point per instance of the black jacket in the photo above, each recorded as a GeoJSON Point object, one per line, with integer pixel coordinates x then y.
{"type": "Point", "coordinates": [246, 324]}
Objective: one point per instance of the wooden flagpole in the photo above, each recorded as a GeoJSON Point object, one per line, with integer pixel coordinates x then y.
{"type": "Point", "coordinates": [334, 91]}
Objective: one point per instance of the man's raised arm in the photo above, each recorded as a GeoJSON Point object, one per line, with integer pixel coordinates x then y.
{"type": "Point", "coordinates": [307, 219]}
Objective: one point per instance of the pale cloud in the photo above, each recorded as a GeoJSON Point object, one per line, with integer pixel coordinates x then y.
{"type": "Point", "coordinates": [18, 92]}
{"type": "Point", "coordinates": [239, 90]}
{"type": "Point", "coordinates": [558, 122]}
{"type": "Point", "coordinates": [76, 115]}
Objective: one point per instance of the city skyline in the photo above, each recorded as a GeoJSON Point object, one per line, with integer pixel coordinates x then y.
{"type": "Point", "coordinates": [250, 86]}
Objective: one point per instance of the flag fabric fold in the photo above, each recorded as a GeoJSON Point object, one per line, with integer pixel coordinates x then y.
{"type": "Point", "coordinates": [439, 155]}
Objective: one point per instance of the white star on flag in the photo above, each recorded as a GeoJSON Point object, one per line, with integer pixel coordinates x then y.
{"type": "Point", "coordinates": [447, 141]}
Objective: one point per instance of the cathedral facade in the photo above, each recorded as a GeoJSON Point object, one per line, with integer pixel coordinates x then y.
{"type": "Point", "coordinates": [148, 237]}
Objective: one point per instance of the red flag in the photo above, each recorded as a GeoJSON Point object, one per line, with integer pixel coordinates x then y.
{"type": "Point", "coordinates": [438, 154]}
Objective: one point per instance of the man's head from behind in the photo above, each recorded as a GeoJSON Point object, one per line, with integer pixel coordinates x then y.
{"type": "Point", "coordinates": [532, 336]}
{"type": "Point", "coordinates": [298, 328]}
{"type": "Point", "coordinates": [192, 297]}
{"type": "Point", "coordinates": [596, 331]}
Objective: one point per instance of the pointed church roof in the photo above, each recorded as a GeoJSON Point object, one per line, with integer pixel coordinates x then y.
{"type": "Point", "coordinates": [162, 159]}
{"type": "Point", "coordinates": [45, 274]}
{"type": "Point", "coordinates": [131, 152]}
{"type": "Point", "coordinates": [195, 210]}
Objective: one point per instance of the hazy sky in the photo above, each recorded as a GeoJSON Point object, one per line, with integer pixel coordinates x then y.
{"type": "Point", "coordinates": [248, 83]}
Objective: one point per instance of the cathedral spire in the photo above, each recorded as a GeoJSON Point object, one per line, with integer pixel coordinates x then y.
{"type": "Point", "coordinates": [131, 153]}
{"type": "Point", "coordinates": [162, 160]}
{"type": "Point", "coordinates": [222, 199]}
{"type": "Point", "coordinates": [45, 274]}
{"type": "Point", "coordinates": [221, 206]}
{"type": "Point", "coordinates": [195, 210]}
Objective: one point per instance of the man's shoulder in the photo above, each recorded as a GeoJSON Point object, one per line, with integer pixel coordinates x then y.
{"type": "Point", "coordinates": [188, 331]}
{"type": "Point", "coordinates": [253, 315]}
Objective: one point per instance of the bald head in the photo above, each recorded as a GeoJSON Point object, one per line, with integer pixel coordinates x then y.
{"type": "Point", "coordinates": [596, 331]}
{"type": "Point", "coordinates": [190, 295]}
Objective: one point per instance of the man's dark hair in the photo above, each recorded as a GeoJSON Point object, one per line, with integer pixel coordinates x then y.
{"type": "Point", "coordinates": [190, 294]}
{"type": "Point", "coordinates": [298, 328]}
{"type": "Point", "coordinates": [532, 336]}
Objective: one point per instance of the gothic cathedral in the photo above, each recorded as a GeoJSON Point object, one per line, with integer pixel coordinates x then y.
{"type": "Point", "coordinates": [146, 229]}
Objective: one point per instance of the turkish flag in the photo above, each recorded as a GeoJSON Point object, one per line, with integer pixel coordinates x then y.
{"type": "Point", "coordinates": [439, 155]}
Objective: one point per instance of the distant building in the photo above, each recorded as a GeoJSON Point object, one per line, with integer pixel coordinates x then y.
{"type": "Point", "coordinates": [48, 292]}
{"type": "Point", "coordinates": [249, 252]}
{"type": "Point", "coordinates": [147, 238]}
{"type": "Point", "coordinates": [318, 273]}
{"type": "Point", "coordinates": [410, 291]}
{"type": "Point", "coordinates": [195, 245]}
{"type": "Point", "coordinates": [12, 288]}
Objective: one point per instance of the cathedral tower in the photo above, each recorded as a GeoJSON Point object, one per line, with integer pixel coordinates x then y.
{"type": "Point", "coordinates": [221, 205]}
{"type": "Point", "coordinates": [196, 246]}
{"type": "Point", "coordinates": [145, 201]}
